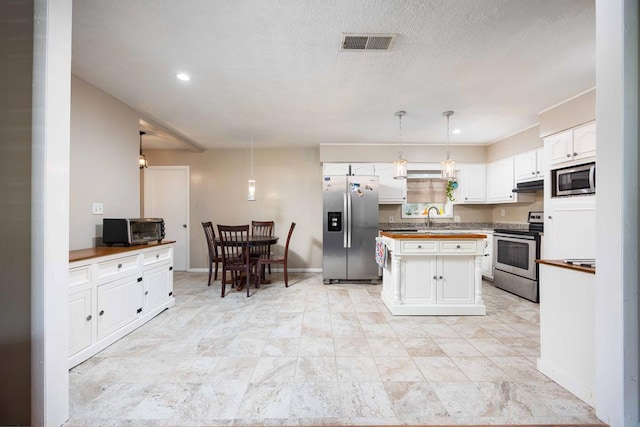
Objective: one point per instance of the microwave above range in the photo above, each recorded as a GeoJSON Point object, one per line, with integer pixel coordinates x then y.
{"type": "Point", "coordinates": [132, 231]}
{"type": "Point", "coordinates": [574, 181]}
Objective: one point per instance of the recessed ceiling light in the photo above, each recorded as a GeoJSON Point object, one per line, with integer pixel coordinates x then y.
{"type": "Point", "coordinates": [183, 76]}
{"type": "Point", "coordinates": [456, 131]}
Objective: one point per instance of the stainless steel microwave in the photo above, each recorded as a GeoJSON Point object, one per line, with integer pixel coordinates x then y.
{"type": "Point", "coordinates": [132, 231]}
{"type": "Point", "coordinates": [574, 180]}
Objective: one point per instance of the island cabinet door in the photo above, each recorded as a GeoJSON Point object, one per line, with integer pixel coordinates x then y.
{"type": "Point", "coordinates": [456, 280]}
{"type": "Point", "coordinates": [418, 279]}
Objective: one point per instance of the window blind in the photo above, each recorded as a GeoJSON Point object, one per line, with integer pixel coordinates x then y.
{"type": "Point", "coordinates": [426, 190]}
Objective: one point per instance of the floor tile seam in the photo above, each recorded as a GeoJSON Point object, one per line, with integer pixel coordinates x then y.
{"type": "Point", "coordinates": [490, 361]}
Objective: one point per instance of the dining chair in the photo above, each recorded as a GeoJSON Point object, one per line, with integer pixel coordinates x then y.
{"type": "Point", "coordinates": [214, 256]}
{"type": "Point", "coordinates": [236, 259]}
{"type": "Point", "coordinates": [271, 259]}
{"type": "Point", "coordinates": [262, 228]}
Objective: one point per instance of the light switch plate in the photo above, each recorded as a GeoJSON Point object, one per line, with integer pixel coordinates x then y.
{"type": "Point", "coordinates": [97, 208]}
{"type": "Point", "coordinates": [390, 220]}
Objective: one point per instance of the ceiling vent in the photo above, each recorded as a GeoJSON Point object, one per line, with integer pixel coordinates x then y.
{"type": "Point", "coordinates": [361, 42]}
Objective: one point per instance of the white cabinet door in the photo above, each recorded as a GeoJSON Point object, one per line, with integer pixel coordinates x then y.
{"type": "Point", "coordinates": [418, 274]}
{"type": "Point", "coordinates": [456, 279]}
{"type": "Point", "coordinates": [335, 169]}
{"type": "Point", "coordinates": [119, 303]}
{"type": "Point", "coordinates": [487, 258]}
{"type": "Point", "coordinates": [584, 142]}
{"type": "Point", "coordinates": [156, 287]}
{"type": "Point", "coordinates": [390, 190]}
{"type": "Point", "coordinates": [362, 169]}
{"type": "Point", "coordinates": [80, 319]}
{"type": "Point", "coordinates": [569, 230]}
{"type": "Point", "coordinates": [472, 184]}
{"type": "Point", "coordinates": [560, 147]}
{"type": "Point", "coordinates": [525, 166]}
{"type": "Point", "coordinates": [500, 181]}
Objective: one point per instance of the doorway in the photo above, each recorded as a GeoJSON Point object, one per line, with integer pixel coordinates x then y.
{"type": "Point", "coordinates": [166, 195]}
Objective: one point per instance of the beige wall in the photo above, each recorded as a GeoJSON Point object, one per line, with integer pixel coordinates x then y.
{"type": "Point", "coordinates": [104, 162]}
{"type": "Point", "coordinates": [528, 139]}
{"type": "Point", "coordinates": [288, 189]}
{"type": "Point", "coordinates": [388, 153]}
{"type": "Point", "coordinates": [574, 112]}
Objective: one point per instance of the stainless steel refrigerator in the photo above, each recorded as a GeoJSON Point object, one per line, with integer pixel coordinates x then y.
{"type": "Point", "coordinates": [350, 227]}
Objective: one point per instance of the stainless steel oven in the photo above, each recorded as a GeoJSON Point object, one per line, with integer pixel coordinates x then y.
{"type": "Point", "coordinates": [514, 262]}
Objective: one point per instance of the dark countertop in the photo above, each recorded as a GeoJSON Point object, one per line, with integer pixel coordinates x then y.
{"type": "Point", "coordinates": [82, 254]}
{"type": "Point", "coordinates": [427, 235]}
{"type": "Point", "coordinates": [561, 264]}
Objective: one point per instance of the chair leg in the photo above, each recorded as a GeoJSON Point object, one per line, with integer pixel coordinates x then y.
{"type": "Point", "coordinates": [209, 281]}
{"type": "Point", "coordinates": [215, 277]}
{"type": "Point", "coordinates": [224, 281]}
{"type": "Point", "coordinates": [286, 276]}
{"type": "Point", "coordinates": [248, 284]}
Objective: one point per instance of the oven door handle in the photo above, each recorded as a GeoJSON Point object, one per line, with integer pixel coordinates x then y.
{"type": "Point", "coordinates": [515, 236]}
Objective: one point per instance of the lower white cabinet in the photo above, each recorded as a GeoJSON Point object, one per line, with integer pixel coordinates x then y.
{"type": "Point", "coordinates": [487, 259]}
{"type": "Point", "coordinates": [114, 291]}
{"type": "Point", "coordinates": [119, 303]}
{"type": "Point", "coordinates": [438, 280]}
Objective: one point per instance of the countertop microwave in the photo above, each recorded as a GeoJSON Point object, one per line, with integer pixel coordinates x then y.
{"type": "Point", "coordinates": [574, 180]}
{"type": "Point", "coordinates": [132, 231]}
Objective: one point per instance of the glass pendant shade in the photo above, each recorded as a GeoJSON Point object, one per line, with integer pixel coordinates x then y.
{"type": "Point", "coordinates": [448, 169]}
{"type": "Point", "coordinates": [142, 161]}
{"type": "Point", "coordinates": [252, 190]}
{"type": "Point", "coordinates": [400, 168]}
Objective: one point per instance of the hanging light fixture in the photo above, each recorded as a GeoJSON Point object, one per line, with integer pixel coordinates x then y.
{"type": "Point", "coordinates": [142, 160]}
{"type": "Point", "coordinates": [400, 164]}
{"type": "Point", "coordinates": [252, 181]}
{"type": "Point", "coordinates": [448, 165]}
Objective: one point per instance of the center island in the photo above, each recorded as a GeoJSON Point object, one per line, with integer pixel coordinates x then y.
{"type": "Point", "coordinates": [433, 272]}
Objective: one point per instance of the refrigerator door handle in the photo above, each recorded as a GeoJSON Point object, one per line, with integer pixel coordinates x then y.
{"type": "Point", "coordinates": [345, 231]}
{"type": "Point", "coordinates": [348, 220]}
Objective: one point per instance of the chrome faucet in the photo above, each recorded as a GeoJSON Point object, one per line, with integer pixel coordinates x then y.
{"type": "Point", "coordinates": [429, 215]}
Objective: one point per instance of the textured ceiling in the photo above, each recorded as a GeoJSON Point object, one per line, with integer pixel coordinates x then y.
{"type": "Point", "coordinates": [273, 69]}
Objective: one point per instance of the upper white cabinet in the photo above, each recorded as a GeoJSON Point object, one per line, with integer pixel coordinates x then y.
{"type": "Point", "coordinates": [472, 184]}
{"type": "Point", "coordinates": [529, 166]}
{"type": "Point", "coordinates": [500, 181]}
{"type": "Point", "coordinates": [343, 168]}
{"type": "Point", "coordinates": [572, 146]}
{"type": "Point", "coordinates": [391, 191]}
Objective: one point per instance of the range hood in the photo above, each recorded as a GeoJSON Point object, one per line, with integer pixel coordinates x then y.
{"type": "Point", "coordinates": [529, 187]}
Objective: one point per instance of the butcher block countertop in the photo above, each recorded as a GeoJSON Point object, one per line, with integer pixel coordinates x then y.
{"type": "Point", "coordinates": [82, 254]}
{"type": "Point", "coordinates": [562, 264]}
{"type": "Point", "coordinates": [438, 234]}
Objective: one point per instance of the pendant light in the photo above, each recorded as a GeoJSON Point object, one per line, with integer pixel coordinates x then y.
{"type": "Point", "coordinates": [448, 165]}
{"type": "Point", "coordinates": [400, 164]}
{"type": "Point", "coordinates": [142, 160]}
{"type": "Point", "coordinates": [252, 181]}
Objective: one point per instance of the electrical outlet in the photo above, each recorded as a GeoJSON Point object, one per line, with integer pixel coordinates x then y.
{"type": "Point", "coordinates": [502, 212]}
{"type": "Point", "coordinates": [391, 220]}
{"type": "Point", "coordinates": [97, 208]}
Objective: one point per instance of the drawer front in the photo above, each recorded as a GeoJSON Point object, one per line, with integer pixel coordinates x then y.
{"type": "Point", "coordinates": [79, 275]}
{"type": "Point", "coordinates": [419, 247]}
{"type": "Point", "coordinates": [120, 267]}
{"type": "Point", "coordinates": [458, 246]}
{"type": "Point", "coordinates": [157, 256]}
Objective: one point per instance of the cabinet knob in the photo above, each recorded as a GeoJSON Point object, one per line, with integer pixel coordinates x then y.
{"type": "Point", "coordinates": [157, 256]}
{"type": "Point", "coordinates": [146, 292]}
{"type": "Point", "coordinates": [511, 196]}
{"type": "Point", "coordinates": [549, 217]}
{"type": "Point", "coordinates": [101, 312]}
{"type": "Point", "coordinates": [419, 246]}
{"type": "Point", "coordinates": [466, 198]}
{"type": "Point", "coordinates": [435, 277]}
{"type": "Point", "coordinates": [568, 155]}
{"type": "Point", "coordinates": [89, 318]}
{"type": "Point", "coordinates": [575, 154]}
{"type": "Point", "coordinates": [119, 265]}
{"type": "Point", "coordinates": [457, 246]}
{"type": "Point", "coordinates": [533, 173]}
{"type": "Point", "coordinates": [440, 277]}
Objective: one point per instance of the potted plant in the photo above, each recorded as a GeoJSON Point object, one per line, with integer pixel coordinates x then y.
{"type": "Point", "coordinates": [451, 187]}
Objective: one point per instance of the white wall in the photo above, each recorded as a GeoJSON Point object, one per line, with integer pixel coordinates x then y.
{"type": "Point", "coordinates": [616, 334]}
{"type": "Point", "coordinates": [288, 189]}
{"type": "Point", "coordinates": [104, 162]}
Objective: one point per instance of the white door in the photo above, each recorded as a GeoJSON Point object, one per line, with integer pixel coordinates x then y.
{"type": "Point", "coordinates": [166, 195]}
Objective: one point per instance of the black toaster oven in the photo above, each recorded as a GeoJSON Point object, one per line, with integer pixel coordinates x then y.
{"type": "Point", "coordinates": [132, 231]}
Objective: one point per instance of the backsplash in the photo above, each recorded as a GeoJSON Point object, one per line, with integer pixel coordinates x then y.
{"type": "Point", "coordinates": [386, 226]}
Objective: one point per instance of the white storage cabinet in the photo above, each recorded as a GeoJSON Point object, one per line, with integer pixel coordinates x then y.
{"type": "Point", "coordinates": [529, 166]}
{"type": "Point", "coordinates": [472, 184]}
{"type": "Point", "coordinates": [391, 191]}
{"type": "Point", "coordinates": [573, 146]}
{"type": "Point", "coordinates": [111, 295]}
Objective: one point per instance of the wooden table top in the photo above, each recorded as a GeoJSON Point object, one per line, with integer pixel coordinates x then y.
{"type": "Point", "coordinates": [99, 251]}
{"type": "Point", "coordinates": [562, 264]}
{"type": "Point", "coordinates": [437, 235]}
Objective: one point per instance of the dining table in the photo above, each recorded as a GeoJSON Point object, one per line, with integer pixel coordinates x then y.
{"type": "Point", "coordinates": [255, 240]}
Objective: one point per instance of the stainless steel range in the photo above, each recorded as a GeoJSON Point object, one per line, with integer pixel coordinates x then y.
{"type": "Point", "coordinates": [514, 263]}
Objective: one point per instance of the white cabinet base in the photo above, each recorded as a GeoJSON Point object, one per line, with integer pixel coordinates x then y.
{"type": "Point", "coordinates": [415, 309]}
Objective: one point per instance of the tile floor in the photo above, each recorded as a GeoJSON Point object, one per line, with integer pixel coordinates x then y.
{"type": "Point", "coordinates": [313, 354]}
